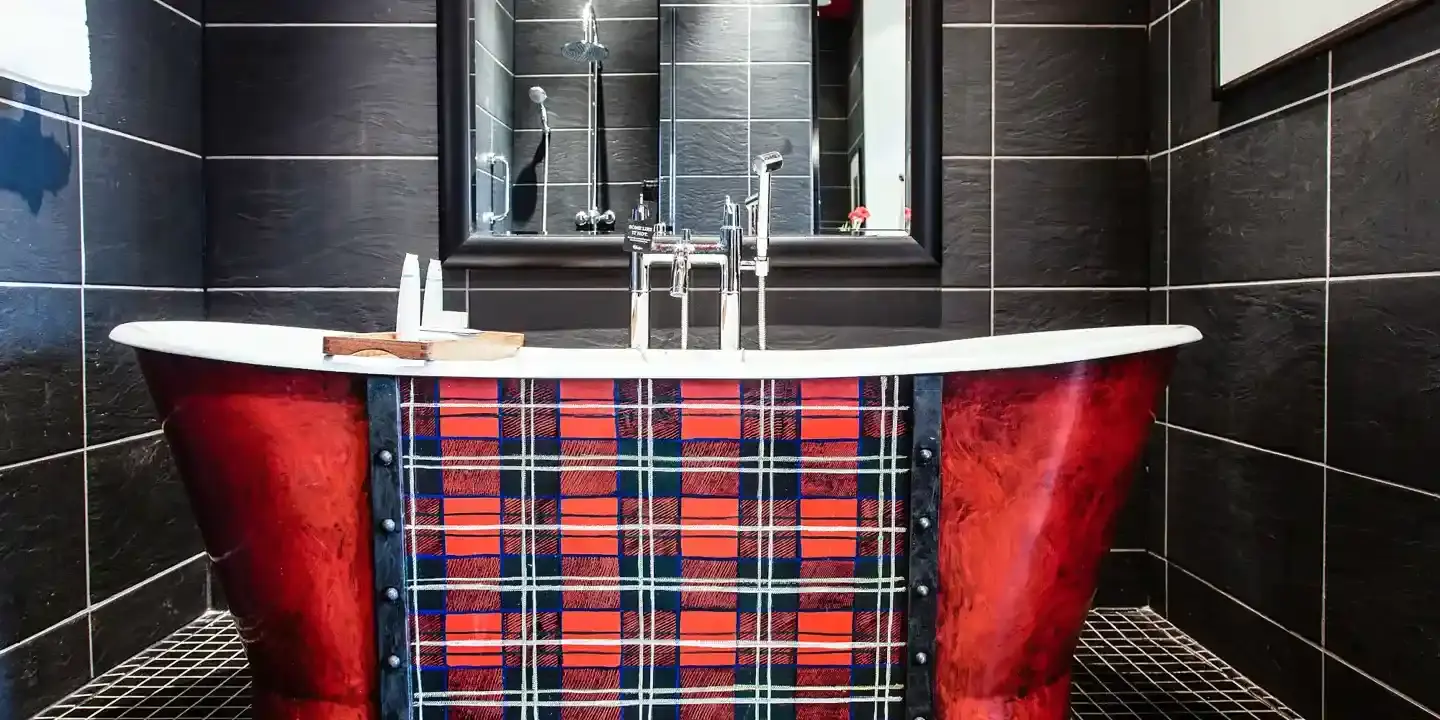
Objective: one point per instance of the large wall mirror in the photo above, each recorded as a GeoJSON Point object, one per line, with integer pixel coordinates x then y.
{"type": "Point", "coordinates": [559, 116]}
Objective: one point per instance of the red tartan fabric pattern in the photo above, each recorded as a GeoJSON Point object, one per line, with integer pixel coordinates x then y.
{"type": "Point", "coordinates": [656, 550]}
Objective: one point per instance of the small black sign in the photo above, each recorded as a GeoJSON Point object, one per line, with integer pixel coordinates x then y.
{"type": "Point", "coordinates": [638, 237]}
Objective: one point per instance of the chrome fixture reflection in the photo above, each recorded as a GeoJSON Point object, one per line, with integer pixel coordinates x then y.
{"type": "Point", "coordinates": [591, 52]}
{"type": "Point", "coordinates": [490, 160]}
{"type": "Point", "coordinates": [588, 49]}
{"type": "Point", "coordinates": [539, 96]}
{"type": "Point", "coordinates": [650, 245]}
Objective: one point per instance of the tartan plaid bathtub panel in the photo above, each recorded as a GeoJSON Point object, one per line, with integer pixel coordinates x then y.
{"type": "Point", "coordinates": [656, 550]}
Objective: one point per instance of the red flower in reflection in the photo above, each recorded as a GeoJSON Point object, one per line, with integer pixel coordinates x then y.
{"type": "Point", "coordinates": [860, 214]}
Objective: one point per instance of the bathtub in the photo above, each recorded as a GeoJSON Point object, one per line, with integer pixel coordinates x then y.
{"type": "Point", "coordinates": [904, 532]}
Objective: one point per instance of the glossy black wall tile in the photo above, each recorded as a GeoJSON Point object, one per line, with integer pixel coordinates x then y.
{"type": "Point", "coordinates": [1382, 603]}
{"type": "Point", "coordinates": [357, 217]}
{"type": "Point", "coordinates": [42, 557]}
{"type": "Point", "coordinates": [1123, 580]}
{"type": "Point", "coordinates": [1050, 84]}
{"type": "Point", "coordinates": [135, 621]}
{"type": "Point", "coordinates": [966, 102]}
{"type": "Point", "coordinates": [1384, 217]}
{"type": "Point", "coordinates": [1351, 694]}
{"type": "Point", "coordinates": [966, 190]}
{"type": "Point", "coordinates": [1384, 330]}
{"type": "Point", "coordinates": [144, 213]}
{"type": "Point", "coordinates": [41, 356]}
{"type": "Point", "coordinates": [151, 89]}
{"type": "Point", "coordinates": [1397, 41]}
{"type": "Point", "coordinates": [1039, 311]}
{"type": "Point", "coordinates": [1334, 373]}
{"type": "Point", "coordinates": [1067, 12]}
{"type": "Point", "coordinates": [45, 669]}
{"type": "Point", "coordinates": [1250, 204]}
{"type": "Point", "coordinates": [117, 403]}
{"type": "Point", "coordinates": [140, 522]}
{"type": "Point", "coordinates": [1070, 222]}
{"type": "Point", "coordinates": [40, 212]}
{"type": "Point", "coordinates": [1282, 663]}
{"type": "Point", "coordinates": [352, 310]}
{"type": "Point", "coordinates": [1262, 361]}
{"type": "Point", "coordinates": [320, 91]}
{"type": "Point", "coordinates": [72, 395]}
{"type": "Point", "coordinates": [289, 11]}
{"type": "Point", "coordinates": [1250, 523]}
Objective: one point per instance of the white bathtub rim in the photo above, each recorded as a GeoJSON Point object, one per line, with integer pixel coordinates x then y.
{"type": "Point", "coordinates": [299, 349]}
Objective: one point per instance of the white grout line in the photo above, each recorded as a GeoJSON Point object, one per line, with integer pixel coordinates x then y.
{"type": "Point", "coordinates": [232, 25]}
{"type": "Point", "coordinates": [84, 405]}
{"type": "Point", "coordinates": [1296, 458]}
{"type": "Point", "coordinates": [271, 289]}
{"type": "Point", "coordinates": [90, 609]}
{"type": "Point", "coordinates": [173, 9]}
{"type": "Point", "coordinates": [1419, 275]}
{"type": "Point", "coordinates": [584, 75]}
{"type": "Point", "coordinates": [491, 55]}
{"type": "Point", "coordinates": [994, 92]}
{"type": "Point", "coordinates": [1325, 348]}
{"type": "Point", "coordinates": [419, 158]}
{"type": "Point", "coordinates": [81, 286]}
{"type": "Point", "coordinates": [1168, 13]}
{"type": "Point", "coordinates": [1048, 26]}
{"type": "Point", "coordinates": [76, 451]}
{"type": "Point", "coordinates": [1330, 92]}
{"type": "Point", "coordinates": [1169, 239]}
{"type": "Point", "coordinates": [91, 126]}
{"type": "Point", "coordinates": [1313, 645]}
{"type": "Point", "coordinates": [641, 18]}
{"type": "Point", "coordinates": [1041, 157]}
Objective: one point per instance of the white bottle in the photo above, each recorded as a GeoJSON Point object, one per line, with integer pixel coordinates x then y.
{"type": "Point", "coordinates": [407, 307]}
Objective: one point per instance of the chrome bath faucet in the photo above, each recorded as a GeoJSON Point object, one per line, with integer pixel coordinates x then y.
{"type": "Point", "coordinates": [649, 245]}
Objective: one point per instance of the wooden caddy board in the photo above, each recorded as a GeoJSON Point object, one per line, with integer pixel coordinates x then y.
{"type": "Point", "coordinates": [482, 346]}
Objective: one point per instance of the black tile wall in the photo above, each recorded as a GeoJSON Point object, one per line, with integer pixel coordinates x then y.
{"type": "Point", "coordinates": [725, 69]}
{"type": "Point", "coordinates": [321, 153]}
{"type": "Point", "coordinates": [1293, 226]}
{"type": "Point", "coordinates": [1045, 181]}
{"type": "Point", "coordinates": [627, 148]}
{"type": "Point", "coordinates": [102, 224]}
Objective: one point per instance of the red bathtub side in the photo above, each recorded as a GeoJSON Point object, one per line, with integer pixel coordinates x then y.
{"type": "Point", "coordinates": [1035, 465]}
{"type": "Point", "coordinates": [275, 463]}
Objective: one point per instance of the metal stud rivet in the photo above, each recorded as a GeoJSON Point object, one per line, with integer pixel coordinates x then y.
{"type": "Point", "coordinates": [924, 523]}
{"type": "Point", "coordinates": [393, 661]}
{"type": "Point", "coordinates": [922, 590]}
{"type": "Point", "coordinates": [388, 525]}
{"type": "Point", "coordinates": [385, 457]}
{"type": "Point", "coordinates": [926, 454]}
{"type": "Point", "coordinates": [392, 594]}
{"type": "Point", "coordinates": [921, 658]}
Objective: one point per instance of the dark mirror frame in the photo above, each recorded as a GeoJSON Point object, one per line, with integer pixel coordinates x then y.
{"type": "Point", "coordinates": [460, 247]}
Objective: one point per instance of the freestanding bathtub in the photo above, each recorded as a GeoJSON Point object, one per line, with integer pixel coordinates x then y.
{"type": "Point", "coordinates": [901, 532]}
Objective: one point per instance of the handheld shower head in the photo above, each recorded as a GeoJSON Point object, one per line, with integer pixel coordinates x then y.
{"type": "Point", "coordinates": [538, 96]}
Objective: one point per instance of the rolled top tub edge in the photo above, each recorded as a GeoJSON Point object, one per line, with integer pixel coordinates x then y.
{"type": "Point", "coordinates": [300, 349]}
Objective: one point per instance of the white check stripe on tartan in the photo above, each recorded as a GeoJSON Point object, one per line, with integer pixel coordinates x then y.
{"type": "Point", "coordinates": [825, 586]}
{"type": "Point", "coordinates": [884, 525]}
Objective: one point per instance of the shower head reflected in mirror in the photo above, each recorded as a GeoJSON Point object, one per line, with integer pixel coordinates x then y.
{"type": "Point", "coordinates": [538, 96]}
{"type": "Point", "coordinates": [588, 50]}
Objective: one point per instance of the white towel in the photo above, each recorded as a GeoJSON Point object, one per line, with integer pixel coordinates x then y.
{"type": "Point", "coordinates": [46, 44]}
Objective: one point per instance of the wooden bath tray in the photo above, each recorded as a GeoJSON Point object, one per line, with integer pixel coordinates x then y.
{"type": "Point", "coordinates": [484, 345]}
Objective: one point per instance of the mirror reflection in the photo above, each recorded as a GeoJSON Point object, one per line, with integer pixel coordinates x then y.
{"type": "Point", "coordinates": [579, 104]}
